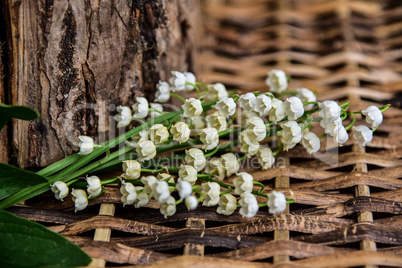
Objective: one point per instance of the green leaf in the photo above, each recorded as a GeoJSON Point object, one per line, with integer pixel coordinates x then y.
{"type": "Point", "coordinates": [24, 243]}
{"type": "Point", "coordinates": [20, 112]}
{"type": "Point", "coordinates": [13, 179]}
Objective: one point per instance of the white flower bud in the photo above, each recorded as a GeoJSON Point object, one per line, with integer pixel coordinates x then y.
{"type": "Point", "coordinates": [306, 95]}
{"type": "Point", "coordinates": [197, 125]}
{"type": "Point", "coordinates": [132, 169]}
{"type": "Point", "coordinates": [290, 135]}
{"type": "Point", "coordinates": [217, 121]}
{"type": "Point", "coordinates": [257, 129]}
{"type": "Point", "coordinates": [190, 78]}
{"type": "Point", "coordinates": [277, 113]}
{"type": "Point", "coordinates": [293, 108]}
{"type": "Point", "coordinates": [160, 191]}
{"type": "Point", "coordinates": [277, 81]}
{"type": "Point", "coordinates": [124, 117]}
{"type": "Point", "coordinates": [263, 104]}
{"type": "Point", "coordinates": [332, 127]}
{"type": "Point", "coordinates": [362, 134]}
{"type": "Point", "coordinates": [146, 150]}
{"type": "Point", "coordinates": [243, 183]}
{"type": "Point", "coordinates": [276, 202]}
{"type": "Point", "coordinates": [178, 81]}
{"type": "Point", "coordinates": [217, 91]}
{"type": "Point", "coordinates": [247, 145]}
{"type": "Point", "coordinates": [128, 192]}
{"type": "Point", "coordinates": [168, 207]}
{"type": "Point", "coordinates": [227, 204]}
{"type": "Point", "coordinates": [311, 142]}
{"type": "Point", "coordinates": [242, 117]}
{"type": "Point", "coordinates": [249, 205]}
{"type": "Point", "coordinates": [247, 102]}
{"type": "Point", "coordinates": [373, 116]}
{"type": "Point", "coordinates": [163, 92]}
{"type": "Point", "coordinates": [330, 111]}
{"type": "Point", "coordinates": [80, 199]}
{"type": "Point", "coordinates": [86, 145]}
{"type": "Point", "coordinates": [212, 191]}
{"type": "Point", "coordinates": [143, 135]}
{"type": "Point", "coordinates": [94, 186]}
{"type": "Point", "coordinates": [192, 108]}
{"type": "Point", "coordinates": [142, 198]}
{"type": "Point", "coordinates": [191, 202]}
{"type": "Point", "coordinates": [148, 182]}
{"type": "Point", "coordinates": [226, 106]}
{"type": "Point", "coordinates": [265, 158]}
{"type": "Point", "coordinates": [214, 167]}
{"type": "Point", "coordinates": [140, 107]}
{"type": "Point", "coordinates": [230, 163]}
{"type": "Point", "coordinates": [188, 173]}
{"type": "Point", "coordinates": [184, 188]}
{"type": "Point", "coordinates": [341, 136]}
{"type": "Point", "coordinates": [157, 107]}
{"type": "Point", "coordinates": [210, 138]}
{"type": "Point", "coordinates": [181, 132]}
{"type": "Point", "coordinates": [60, 190]}
{"type": "Point", "coordinates": [195, 157]}
{"type": "Point", "coordinates": [159, 133]}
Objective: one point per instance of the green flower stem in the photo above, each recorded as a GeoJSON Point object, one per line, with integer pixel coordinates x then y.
{"type": "Point", "coordinates": [260, 184]}
{"type": "Point", "coordinates": [384, 108]}
{"type": "Point", "coordinates": [278, 150]}
{"type": "Point", "coordinates": [203, 85]}
{"type": "Point", "coordinates": [289, 92]}
{"type": "Point", "coordinates": [353, 121]}
{"type": "Point", "coordinates": [196, 88]}
{"type": "Point", "coordinates": [374, 129]}
{"type": "Point", "coordinates": [214, 151]}
{"type": "Point", "coordinates": [345, 105]}
{"type": "Point", "coordinates": [310, 102]}
{"type": "Point", "coordinates": [152, 170]}
{"type": "Point", "coordinates": [231, 92]}
{"type": "Point", "coordinates": [322, 136]}
{"type": "Point", "coordinates": [226, 192]}
{"type": "Point", "coordinates": [242, 158]}
{"type": "Point", "coordinates": [177, 96]}
{"type": "Point", "coordinates": [262, 205]}
{"type": "Point", "coordinates": [138, 120]}
{"type": "Point", "coordinates": [154, 110]}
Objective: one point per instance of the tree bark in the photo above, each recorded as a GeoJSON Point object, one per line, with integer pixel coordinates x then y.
{"type": "Point", "coordinates": [75, 60]}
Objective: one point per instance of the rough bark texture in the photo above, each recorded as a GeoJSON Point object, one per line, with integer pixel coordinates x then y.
{"type": "Point", "coordinates": [76, 60]}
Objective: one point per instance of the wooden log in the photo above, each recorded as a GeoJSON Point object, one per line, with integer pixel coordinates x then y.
{"type": "Point", "coordinates": [75, 61]}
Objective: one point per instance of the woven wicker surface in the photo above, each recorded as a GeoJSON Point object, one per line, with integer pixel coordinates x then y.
{"type": "Point", "coordinates": [347, 215]}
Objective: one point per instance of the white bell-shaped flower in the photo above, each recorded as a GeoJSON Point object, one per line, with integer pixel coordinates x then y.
{"type": "Point", "coordinates": [332, 127]}
{"type": "Point", "coordinates": [243, 183]}
{"type": "Point", "coordinates": [362, 134]}
{"type": "Point", "coordinates": [190, 78]}
{"type": "Point", "coordinates": [148, 182]}
{"type": "Point", "coordinates": [197, 125]}
{"type": "Point", "coordinates": [291, 134]}
{"type": "Point", "coordinates": [211, 191]}
{"type": "Point", "coordinates": [128, 193]}
{"type": "Point", "coordinates": [195, 157]}
{"type": "Point", "coordinates": [143, 135]}
{"type": "Point", "coordinates": [94, 186]}
{"type": "Point", "coordinates": [79, 198]}
{"type": "Point", "coordinates": [306, 95]}
{"type": "Point", "coordinates": [226, 106]}
{"type": "Point", "coordinates": [132, 169]}
{"type": "Point", "coordinates": [373, 116]}
{"type": "Point", "coordinates": [140, 108]}
{"type": "Point", "coordinates": [330, 111]}
{"type": "Point", "coordinates": [247, 145]}
{"type": "Point", "coordinates": [142, 198]}
{"type": "Point", "coordinates": [209, 138]}
{"type": "Point", "coordinates": [86, 145]}
{"type": "Point", "coordinates": [276, 202]}
{"type": "Point", "coordinates": [181, 132]}
{"type": "Point", "coordinates": [249, 205]}
{"type": "Point", "coordinates": [188, 173]}
{"type": "Point", "coordinates": [191, 202]}
{"type": "Point", "coordinates": [230, 163]}
{"type": "Point", "coordinates": [146, 150]}
{"type": "Point", "coordinates": [60, 190]}
{"type": "Point", "coordinates": [263, 104]}
{"type": "Point", "coordinates": [163, 92]}
{"type": "Point", "coordinates": [124, 116]}
{"type": "Point", "coordinates": [277, 81]}
{"type": "Point", "coordinates": [184, 188]}
{"type": "Point", "coordinates": [177, 81]}
{"type": "Point", "coordinates": [158, 110]}
{"type": "Point", "coordinates": [247, 102]}
{"type": "Point", "coordinates": [277, 113]}
{"type": "Point", "coordinates": [160, 191]}
{"type": "Point", "coordinates": [293, 108]}
{"type": "Point", "coordinates": [214, 167]}
{"type": "Point", "coordinates": [159, 133]}
{"type": "Point", "coordinates": [257, 129]}
{"type": "Point", "coordinates": [341, 136]}
{"type": "Point", "coordinates": [168, 207]}
{"type": "Point", "coordinates": [227, 204]}
{"type": "Point", "coordinates": [217, 121]}
{"type": "Point", "coordinates": [265, 158]}
{"type": "Point", "coordinates": [311, 142]}
{"type": "Point", "coordinates": [217, 91]}
{"type": "Point", "coordinates": [192, 108]}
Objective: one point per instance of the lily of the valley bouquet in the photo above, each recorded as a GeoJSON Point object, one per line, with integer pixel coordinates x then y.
{"type": "Point", "coordinates": [193, 155]}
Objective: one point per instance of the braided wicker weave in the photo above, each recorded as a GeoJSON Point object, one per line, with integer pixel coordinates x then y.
{"type": "Point", "coordinates": [348, 215]}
